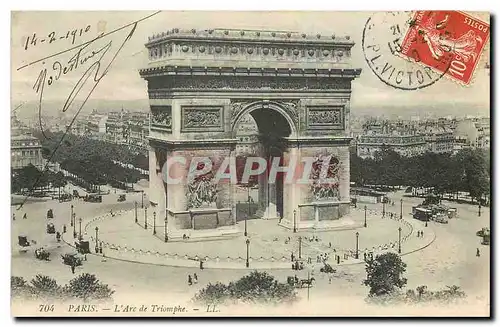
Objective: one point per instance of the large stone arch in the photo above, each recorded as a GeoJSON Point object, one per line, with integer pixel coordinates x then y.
{"type": "Point", "coordinates": [202, 82]}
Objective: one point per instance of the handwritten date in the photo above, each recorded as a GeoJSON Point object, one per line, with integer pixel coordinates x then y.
{"type": "Point", "coordinates": [52, 37]}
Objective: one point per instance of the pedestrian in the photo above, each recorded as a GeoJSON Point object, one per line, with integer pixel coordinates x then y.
{"type": "Point", "coordinates": [25, 216]}
{"type": "Point", "coordinates": [73, 268]}
{"type": "Point", "coordinates": [330, 244]}
{"type": "Point", "coordinates": [190, 280]}
{"type": "Point", "coordinates": [365, 256]}
{"type": "Point", "coordinates": [13, 216]}
{"type": "Point", "coordinates": [477, 253]}
{"type": "Point", "coordinates": [421, 233]}
{"type": "Point", "coordinates": [418, 233]}
{"type": "Point", "coordinates": [292, 257]}
{"type": "Point", "coordinates": [201, 264]}
{"type": "Point", "coordinates": [329, 278]}
{"type": "Point", "coordinates": [195, 278]}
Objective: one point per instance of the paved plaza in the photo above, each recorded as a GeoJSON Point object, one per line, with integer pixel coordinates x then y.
{"type": "Point", "coordinates": [445, 256]}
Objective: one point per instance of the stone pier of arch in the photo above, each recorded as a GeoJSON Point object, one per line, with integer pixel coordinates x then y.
{"type": "Point", "coordinates": [201, 83]}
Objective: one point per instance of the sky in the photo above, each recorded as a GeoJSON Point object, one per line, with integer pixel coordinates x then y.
{"type": "Point", "coordinates": [122, 86]}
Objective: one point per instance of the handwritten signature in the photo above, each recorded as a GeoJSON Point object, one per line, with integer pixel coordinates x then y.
{"type": "Point", "coordinates": [85, 55]}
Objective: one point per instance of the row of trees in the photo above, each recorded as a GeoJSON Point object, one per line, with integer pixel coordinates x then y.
{"type": "Point", "coordinates": [93, 161]}
{"type": "Point", "coordinates": [31, 179]}
{"type": "Point", "coordinates": [84, 287]}
{"type": "Point", "coordinates": [466, 171]}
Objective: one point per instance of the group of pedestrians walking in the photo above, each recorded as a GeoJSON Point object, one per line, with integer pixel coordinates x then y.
{"type": "Point", "coordinates": [192, 279]}
{"type": "Point", "coordinates": [420, 233]}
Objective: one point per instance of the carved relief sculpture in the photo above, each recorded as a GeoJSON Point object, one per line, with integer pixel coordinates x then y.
{"type": "Point", "coordinates": [325, 181]}
{"type": "Point", "coordinates": [202, 118]}
{"type": "Point", "coordinates": [325, 117]}
{"type": "Point", "coordinates": [161, 116]}
{"type": "Point", "coordinates": [202, 191]}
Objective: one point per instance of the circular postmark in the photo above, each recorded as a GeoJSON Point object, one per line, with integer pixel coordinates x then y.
{"type": "Point", "coordinates": [384, 37]}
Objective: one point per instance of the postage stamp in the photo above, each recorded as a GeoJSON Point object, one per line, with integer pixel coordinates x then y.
{"type": "Point", "coordinates": [382, 44]}
{"type": "Point", "coordinates": [435, 35]}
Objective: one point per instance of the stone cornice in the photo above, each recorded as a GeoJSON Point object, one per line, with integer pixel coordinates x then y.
{"type": "Point", "coordinates": [185, 144]}
{"type": "Point", "coordinates": [248, 36]}
{"type": "Point", "coordinates": [248, 71]}
{"type": "Point", "coordinates": [237, 47]}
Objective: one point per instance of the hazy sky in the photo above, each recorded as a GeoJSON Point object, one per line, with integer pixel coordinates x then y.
{"type": "Point", "coordinates": [123, 83]}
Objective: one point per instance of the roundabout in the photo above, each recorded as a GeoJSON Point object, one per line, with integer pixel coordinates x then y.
{"type": "Point", "coordinates": [269, 245]}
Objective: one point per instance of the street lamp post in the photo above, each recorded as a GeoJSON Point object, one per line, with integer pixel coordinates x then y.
{"type": "Point", "coordinates": [357, 245]}
{"type": "Point", "coordinates": [96, 239]}
{"type": "Point", "coordinates": [300, 247]}
{"type": "Point", "coordinates": [399, 243]}
{"type": "Point", "coordinates": [154, 222]}
{"type": "Point", "coordinates": [80, 234]}
{"type": "Point", "coordinates": [146, 218]}
{"type": "Point", "coordinates": [295, 221]}
{"type": "Point", "coordinates": [74, 225]}
{"type": "Point", "coordinates": [401, 212]}
{"type": "Point", "coordinates": [166, 233]}
{"type": "Point", "coordinates": [71, 217]}
{"type": "Point", "coordinates": [365, 216]}
{"type": "Point", "coordinates": [248, 245]}
{"type": "Point", "coordinates": [479, 210]}
{"type": "Point", "coordinates": [142, 199]}
{"type": "Point", "coordinates": [135, 212]}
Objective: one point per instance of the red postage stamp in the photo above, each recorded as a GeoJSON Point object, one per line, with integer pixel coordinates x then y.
{"type": "Point", "coordinates": [450, 42]}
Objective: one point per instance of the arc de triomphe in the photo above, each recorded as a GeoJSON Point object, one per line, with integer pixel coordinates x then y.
{"type": "Point", "coordinates": [202, 82]}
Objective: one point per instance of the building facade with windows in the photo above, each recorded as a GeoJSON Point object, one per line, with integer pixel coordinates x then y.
{"type": "Point", "coordinates": [25, 149]}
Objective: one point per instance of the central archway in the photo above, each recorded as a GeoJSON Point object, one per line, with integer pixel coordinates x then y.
{"type": "Point", "coordinates": [274, 125]}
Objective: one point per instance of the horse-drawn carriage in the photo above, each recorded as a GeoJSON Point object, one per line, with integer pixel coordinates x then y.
{"type": "Point", "coordinates": [327, 269]}
{"type": "Point", "coordinates": [299, 283]}
{"type": "Point", "coordinates": [23, 241]}
{"type": "Point", "coordinates": [50, 214]}
{"type": "Point", "coordinates": [82, 247]}
{"type": "Point", "coordinates": [93, 198]}
{"type": "Point", "coordinates": [51, 229]}
{"type": "Point", "coordinates": [122, 198]}
{"type": "Point", "coordinates": [72, 259]}
{"type": "Point", "coordinates": [42, 254]}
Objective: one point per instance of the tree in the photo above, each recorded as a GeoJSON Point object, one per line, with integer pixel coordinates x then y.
{"type": "Point", "coordinates": [216, 293]}
{"type": "Point", "coordinates": [384, 274]}
{"type": "Point", "coordinates": [88, 287]}
{"type": "Point", "coordinates": [45, 287]}
{"type": "Point", "coordinates": [257, 287]}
